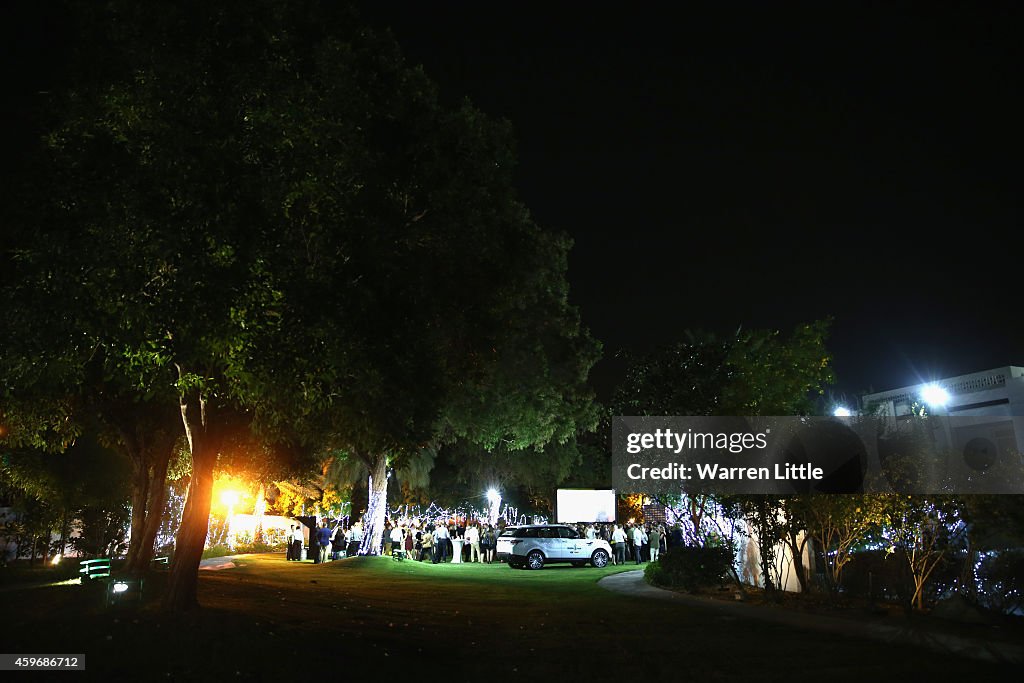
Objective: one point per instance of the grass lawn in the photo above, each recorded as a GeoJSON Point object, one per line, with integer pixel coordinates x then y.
{"type": "Point", "coordinates": [271, 619]}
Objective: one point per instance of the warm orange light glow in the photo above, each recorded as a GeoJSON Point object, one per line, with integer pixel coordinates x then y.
{"type": "Point", "coordinates": [231, 493]}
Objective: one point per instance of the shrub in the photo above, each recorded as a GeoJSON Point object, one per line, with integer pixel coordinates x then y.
{"type": "Point", "coordinates": [243, 548]}
{"type": "Point", "coordinates": [690, 567]}
{"type": "Point", "coordinates": [217, 551]}
{"type": "Point", "coordinates": [1000, 581]}
{"type": "Point", "coordinates": [240, 549]}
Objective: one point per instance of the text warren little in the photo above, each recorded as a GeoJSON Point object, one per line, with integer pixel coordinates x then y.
{"type": "Point", "coordinates": [714, 471]}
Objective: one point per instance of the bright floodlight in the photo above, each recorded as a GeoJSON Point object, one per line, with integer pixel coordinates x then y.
{"type": "Point", "coordinates": [229, 497]}
{"type": "Point", "coordinates": [935, 395]}
{"type": "Point", "coordinates": [493, 495]}
{"type": "Point", "coordinates": [120, 587]}
{"type": "Point", "coordinates": [840, 411]}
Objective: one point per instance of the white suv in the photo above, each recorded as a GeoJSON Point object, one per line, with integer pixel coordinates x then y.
{"type": "Point", "coordinates": [535, 545]}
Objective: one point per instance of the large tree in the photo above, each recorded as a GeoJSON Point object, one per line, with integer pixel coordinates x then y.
{"type": "Point", "coordinates": [260, 207]}
{"type": "Point", "coordinates": [747, 373]}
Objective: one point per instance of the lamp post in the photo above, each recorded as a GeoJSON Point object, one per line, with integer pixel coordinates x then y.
{"type": "Point", "coordinates": [494, 503]}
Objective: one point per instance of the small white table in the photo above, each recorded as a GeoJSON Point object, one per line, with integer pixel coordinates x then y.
{"type": "Point", "coordinates": [457, 550]}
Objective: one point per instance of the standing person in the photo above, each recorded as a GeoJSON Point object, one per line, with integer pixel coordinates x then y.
{"type": "Point", "coordinates": [355, 537]}
{"type": "Point", "coordinates": [440, 544]}
{"type": "Point", "coordinates": [426, 544]}
{"type": "Point", "coordinates": [487, 543]}
{"type": "Point", "coordinates": [410, 542]}
{"type": "Point", "coordinates": [473, 539]}
{"type": "Point", "coordinates": [619, 545]}
{"type": "Point", "coordinates": [338, 542]}
{"type": "Point", "coordinates": [298, 538]}
{"type": "Point", "coordinates": [397, 536]}
{"type": "Point", "coordinates": [323, 537]}
{"type": "Point", "coordinates": [654, 538]}
{"type": "Point", "coordinates": [590, 533]}
{"type": "Point", "coordinates": [386, 538]}
{"type": "Point", "coordinates": [289, 547]}
{"type": "Point", "coordinates": [638, 542]}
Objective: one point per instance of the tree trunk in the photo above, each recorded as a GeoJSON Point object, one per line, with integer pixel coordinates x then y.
{"type": "Point", "coordinates": [140, 493]}
{"type": "Point", "coordinates": [183, 583]}
{"type": "Point", "coordinates": [64, 533]}
{"type": "Point", "coordinates": [142, 545]}
{"type": "Point", "coordinates": [191, 538]}
{"type": "Point", "coordinates": [376, 509]}
{"type": "Point", "coordinates": [258, 511]}
{"type": "Point", "coordinates": [796, 548]}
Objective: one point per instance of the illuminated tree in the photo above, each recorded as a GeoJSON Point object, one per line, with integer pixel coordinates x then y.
{"type": "Point", "coordinates": [922, 530]}
{"type": "Point", "coordinates": [748, 373]}
{"type": "Point", "coordinates": [839, 524]}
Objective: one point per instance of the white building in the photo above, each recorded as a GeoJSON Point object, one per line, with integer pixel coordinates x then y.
{"type": "Point", "coordinates": [985, 411]}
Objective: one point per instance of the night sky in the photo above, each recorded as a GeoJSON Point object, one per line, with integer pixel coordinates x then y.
{"type": "Point", "coordinates": [757, 165]}
{"type": "Point", "coordinates": [739, 163]}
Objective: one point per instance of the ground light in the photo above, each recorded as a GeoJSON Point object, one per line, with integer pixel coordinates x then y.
{"type": "Point", "coordinates": [123, 591]}
{"type": "Point", "coordinates": [840, 411]}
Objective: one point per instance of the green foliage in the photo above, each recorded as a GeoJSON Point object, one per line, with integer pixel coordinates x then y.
{"type": "Point", "coordinates": [104, 531]}
{"type": "Point", "coordinates": [221, 550]}
{"type": "Point", "coordinates": [259, 210]}
{"type": "Point", "coordinates": [255, 547]}
{"type": "Point", "coordinates": [839, 524]}
{"type": "Point", "coordinates": [922, 531]}
{"type": "Point", "coordinates": [754, 372]}
{"type": "Point", "coordinates": [1000, 581]}
{"type": "Point", "coordinates": [690, 567]}
{"type": "Point", "coordinates": [217, 551]}
{"type": "Point", "coordinates": [86, 484]}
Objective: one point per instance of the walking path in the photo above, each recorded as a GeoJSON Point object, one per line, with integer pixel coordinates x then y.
{"type": "Point", "coordinates": [632, 583]}
{"type": "Point", "coordinates": [218, 563]}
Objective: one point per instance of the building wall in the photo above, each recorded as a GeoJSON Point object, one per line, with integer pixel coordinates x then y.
{"type": "Point", "coordinates": [987, 404]}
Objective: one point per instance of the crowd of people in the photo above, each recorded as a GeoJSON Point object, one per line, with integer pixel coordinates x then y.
{"type": "Point", "coordinates": [632, 542]}
{"type": "Point", "coordinates": [436, 541]}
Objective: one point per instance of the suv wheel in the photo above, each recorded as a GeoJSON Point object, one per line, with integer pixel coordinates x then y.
{"type": "Point", "coordinates": [535, 560]}
{"type": "Point", "coordinates": [599, 559]}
